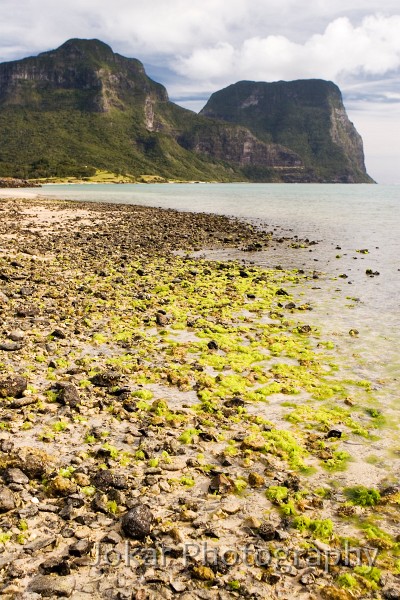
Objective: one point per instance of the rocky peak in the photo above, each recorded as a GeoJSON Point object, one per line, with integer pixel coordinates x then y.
{"type": "Point", "coordinates": [80, 74]}
{"type": "Point", "coordinates": [306, 116]}
{"type": "Point", "coordinates": [78, 49]}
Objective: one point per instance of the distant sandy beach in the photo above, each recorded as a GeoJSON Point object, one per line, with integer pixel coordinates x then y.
{"type": "Point", "coordinates": [17, 193]}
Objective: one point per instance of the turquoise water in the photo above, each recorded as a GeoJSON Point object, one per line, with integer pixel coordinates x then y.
{"type": "Point", "coordinates": [353, 217]}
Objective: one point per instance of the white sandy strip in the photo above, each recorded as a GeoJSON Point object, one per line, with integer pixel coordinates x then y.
{"type": "Point", "coordinates": [17, 193]}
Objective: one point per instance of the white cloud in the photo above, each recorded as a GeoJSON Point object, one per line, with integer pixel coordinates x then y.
{"type": "Point", "coordinates": [372, 48]}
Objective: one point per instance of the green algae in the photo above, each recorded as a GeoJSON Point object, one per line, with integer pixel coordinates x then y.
{"type": "Point", "coordinates": [277, 493]}
{"type": "Point", "coordinates": [255, 361]}
{"type": "Point", "coordinates": [323, 418]}
{"type": "Point", "coordinates": [362, 496]}
{"type": "Point", "coordinates": [284, 444]}
{"type": "Point", "coordinates": [321, 529]}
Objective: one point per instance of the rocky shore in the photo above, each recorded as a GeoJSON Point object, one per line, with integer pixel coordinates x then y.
{"type": "Point", "coordinates": [172, 427]}
{"type": "Point", "coordinates": [11, 182]}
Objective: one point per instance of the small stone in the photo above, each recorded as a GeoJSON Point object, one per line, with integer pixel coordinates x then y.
{"type": "Point", "coordinates": [103, 480]}
{"type": "Point", "coordinates": [16, 335]}
{"type": "Point", "coordinates": [281, 535]}
{"type": "Point", "coordinates": [76, 500]}
{"type": "Point", "coordinates": [81, 548]}
{"type": "Point", "coordinates": [99, 503]}
{"type": "Point", "coordinates": [21, 402]}
{"type": "Point", "coordinates": [82, 533]}
{"type": "Point", "coordinates": [161, 319]}
{"type": "Point", "coordinates": [292, 482]}
{"type": "Point", "coordinates": [3, 298]}
{"type": "Point", "coordinates": [35, 463]}
{"type": "Point", "coordinates": [187, 515]}
{"type": "Point", "coordinates": [26, 290]}
{"type": "Point", "coordinates": [254, 442]}
{"type": "Point", "coordinates": [81, 479]}
{"type": "Point", "coordinates": [304, 329]}
{"type": "Point", "coordinates": [12, 386]}
{"type": "Point", "coordinates": [307, 579]}
{"type": "Point", "coordinates": [15, 476]}
{"type": "Point", "coordinates": [178, 586]}
{"type": "Point", "coordinates": [256, 480]}
{"type": "Point", "coordinates": [203, 573]}
{"type": "Point", "coordinates": [27, 310]}
{"type": "Point", "coordinates": [56, 564]}
{"type": "Point", "coordinates": [112, 537]}
{"type": "Point", "coordinates": [58, 333]}
{"type": "Point", "coordinates": [137, 522]}
{"type": "Point", "coordinates": [11, 346]}
{"type": "Point", "coordinates": [353, 332]}
{"type": "Point", "coordinates": [231, 506]}
{"type": "Point", "coordinates": [252, 522]}
{"type": "Point", "coordinates": [212, 345]}
{"type": "Point", "coordinates": [38, 544]}
{"type": "Point", "coordinates": [165, 487]}
{"type": "Point", "coordinates": [234, 402]}
{"type": "Point", "coordinates": [7, 501]}
{"type": "Point", "coordinates": [267, 532]}
{"type": "Point", "coordinates": [322, 546]}
{"type": "Point", "coordinates": [221, 484]}
{"type": "Point", "coordinates": [69, 394]}
{"type": "Point", "coordinates": [51, 585]}
{"type": "Point", "coordinates": [329, 592]}
{"type": "Point", "coordinates": [61, 486]}
{"type": "Point", "coordinates": [391, 593]}
{"type": "Point", "coordinates": [334, 433]}
{"type": "Point", "coordinates": [290, 305]}
{"type": "Point", "coordinates": [106, 379]}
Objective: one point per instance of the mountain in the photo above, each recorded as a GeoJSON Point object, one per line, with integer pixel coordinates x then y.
{"type": "Point", "coordinates": [82, 107]}
{"type": "Point", "coordinates": [307, 116]}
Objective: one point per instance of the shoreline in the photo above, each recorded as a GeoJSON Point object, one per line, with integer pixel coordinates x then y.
{"type": "Point", "coordinates": [191, 386]}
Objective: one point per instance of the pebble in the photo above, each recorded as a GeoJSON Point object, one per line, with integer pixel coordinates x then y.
{"type": "Point", "coordinates": [7, 501]}
{"type": "Point", "coordinates": [50, 585]}
{"type": "Point", "coordinates": [391, 593]}
{"type": "Point", "coordinates": [11, 346]}
{"type": "Point", "coordinates": [267, 532]}
{"type": "Point", "coordinates": [15, 476]}
{"type": "Point", "coordinates": [256, 480]}
{"type": "Point", "coordinates": [137, 522]}
{"type": "Point", "coordinates": [12, 386]}
{"type": "Point", "coordinates": [221, 484]}
{"type": "Point", "coordinates": [203, 573]}
{"type": "Point", "coordinates": [69, 394]}
{"type": "Point", "coordinates": [61, 486]}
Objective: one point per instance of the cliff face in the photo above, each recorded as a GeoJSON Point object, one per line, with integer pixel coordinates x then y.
{"type": "Point", "coordinates": [306, 116]}
{"type": "Point", "coordinates": [82, 106]}
{"type": "Point", "coordinates": [259, 161]}
{"type": "Point", "coordinates": [81, 74]}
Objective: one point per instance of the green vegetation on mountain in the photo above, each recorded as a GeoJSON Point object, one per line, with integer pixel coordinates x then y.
{"type": "Point", "coordinates": [82, 108]}
{"type": "Point", "coordinates": [307, 116]}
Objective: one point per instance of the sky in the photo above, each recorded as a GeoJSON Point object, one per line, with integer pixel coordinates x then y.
{"type": "Point", "coordinates": [196, 47]}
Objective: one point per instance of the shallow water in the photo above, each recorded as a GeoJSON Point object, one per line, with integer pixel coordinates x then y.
{"type": "Point", "coordinates": [351, 216]}
{"type": "Point", "coordinates": [342, 219]}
